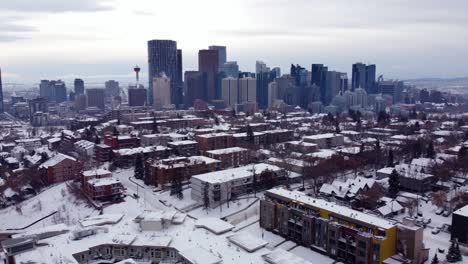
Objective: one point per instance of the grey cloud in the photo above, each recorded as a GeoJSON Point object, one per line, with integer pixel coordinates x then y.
{"type": "Point", "coordinates": [268, 33]}
{"type": "Point", "coordinates": [11, 29]}
{"type": "Point", "coordinates": [361, 14]}
{"type": "Point", "coordinates": [56, 6]}
{"type": "Point", "coordinates": [10, 37]}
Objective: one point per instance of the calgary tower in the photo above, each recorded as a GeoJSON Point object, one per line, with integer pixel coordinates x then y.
{"type": "Point", "coordinates": [137, 72]}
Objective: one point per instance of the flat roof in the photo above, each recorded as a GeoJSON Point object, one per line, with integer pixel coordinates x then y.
{"type": "Point", "coordinates": [332, 207]}
{"type": "Point", "coordinates": [235, 173]}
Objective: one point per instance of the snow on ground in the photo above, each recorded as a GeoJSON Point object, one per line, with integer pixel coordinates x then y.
{"type": "Point", "coordinates": [272, 239]}
{"type": "Point", "coordinates": [280, 256]}
{"type": "Point", "coordinates": [215, 225]}
{"type": "Point", "coordinates": [180, 204]}
{"type": "Point", "coordinates": [225, 209]}
{"type": "Point", "coordinates": [247, 241]}
{"type": "Point", "coordinates": [57, 198]}
{"type": "Point", "coordinates": [288, 245]}
{"type": "Point", "coordinates": [308, 254]}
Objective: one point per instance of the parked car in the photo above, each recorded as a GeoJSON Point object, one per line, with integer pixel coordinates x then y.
{"type": "Point", "coordinates": [426, 199]}
{"type": "Point", "coordinates": [439, 211]}
{"type": "Point", "coordinates": [426, 221]}
{"type": "Point", "coordinates": [446, 213]}
{"type": "Point", "coordinates": [435, 230]}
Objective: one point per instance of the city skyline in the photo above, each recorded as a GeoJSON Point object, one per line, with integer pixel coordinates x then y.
{"type": "Point", "coordinates": [99, 40]}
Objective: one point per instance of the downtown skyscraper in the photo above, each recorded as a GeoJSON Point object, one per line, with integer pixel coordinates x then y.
{"type": "Point", "coordinates": [1, 93]}
{"type": "Point", "coordinates": [163, 57]}
{"type": "Point", "coordinates": [222, 56]}
{"type": "Point", "coordinates": [79, 86]}
{"type": "Point", "coordinates": [364, 77]}
{"type": "Point", "coordinates": [208, 64]}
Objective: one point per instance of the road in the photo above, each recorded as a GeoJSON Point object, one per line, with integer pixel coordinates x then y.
{"type": "Point", "coordinates": [146, 194]}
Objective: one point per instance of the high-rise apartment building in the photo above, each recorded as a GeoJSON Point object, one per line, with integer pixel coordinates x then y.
{"type": "Point", "coordinates": [230, 91]}
{"type": "Point", "coordinates": [95, 98]}
{"type": "Point", "coordinates": [161, 91]}
{"type": "Point", "coordinates": [272, 93]}
{"type": "Point", "coordinates": [247, 90]}
{"type": "Point", "coordinates": [163, 58]}
{"type": "Point", "coordinates": [79, 86]}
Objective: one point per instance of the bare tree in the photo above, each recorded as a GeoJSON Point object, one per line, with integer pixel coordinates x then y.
{"type": "Point", "coordinates": [439, 198]}
{"type": "Point", "coordinates": [412, 206]}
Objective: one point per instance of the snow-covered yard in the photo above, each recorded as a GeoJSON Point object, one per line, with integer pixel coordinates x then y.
{"type": "Point", "coordinates": [57, 198]}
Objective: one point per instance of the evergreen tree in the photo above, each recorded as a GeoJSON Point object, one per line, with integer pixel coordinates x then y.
{"type": "Point", "coordinates": [115, 131]}
{"type": "Point", "coordinates": [250, 134]}
{"type": "Point", "coordinates": [176, 186]}
{"type": "Point", "coordinates": [435, 260]}
{"type": "Point", "coordinates": [394, 182]}
{"type": "Point", "coordinates": [139, 167]}
{"type": "Point", "coordinates": [147, 176]}
{"type": "Point", "coordinates": [179, 189]}
{"type": "Point", "coordinates": [417, 126]}
{"type": "Point", "coordinates": [254, 182]}
{"type": "Point", "coordinates": [390, 159]}
{"type": "Point", "coordinates": [454, 254]}
{"type": "Point", "coordinates": [44, 157]}
{"type": "Point", "coordinates": [118, 121]}
{"type": "Point", "coordinates": [97, 140]}
{"type": "Point", "coordinates": [206, 196]}
{"type": "Point", "coordinates": [430, 152]}
{"type": "Point", "coordinates": [377, 145]}
{"type": "Point", "coordinates": [362, 148]}
{"type": "Point", "coordinates": [462, 153]}
{"type": "Point", "coordinates": [337, 127]}
{"type": "Point", "coordinates": [155, 126]}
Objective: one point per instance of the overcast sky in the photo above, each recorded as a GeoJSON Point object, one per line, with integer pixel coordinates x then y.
{"type": "Point", "coordinates": [103, 39]}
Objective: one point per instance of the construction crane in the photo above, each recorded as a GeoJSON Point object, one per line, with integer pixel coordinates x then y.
{"type": "Point", "coordinates": [380, 79]}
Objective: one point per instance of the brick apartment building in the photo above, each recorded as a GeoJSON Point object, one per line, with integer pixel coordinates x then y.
{"type": "Point", "coordinates": [102, 152]}
{"type": "Point", "coordinates": [230, 157]}
{"type": "Point", "coordinates": [60, 168]}
{"type": "Point", "coordinates": [214, 141]}
{"type": "Point", "coordinates": [161, 172]}
{"type": "Point", "coordinates": [184, 147]}
{"type": "Point", "coordinates": [100, 185]}
{"type": "Point", "coordinates": [121, 142]}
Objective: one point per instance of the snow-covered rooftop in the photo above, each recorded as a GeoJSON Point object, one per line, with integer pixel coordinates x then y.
{"type": "Point", "coordinates": [235, 173]}
{"type": "Point", "coordinates": [332, 207]}
{"type": "Point", "coordinates": [56, 160]}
